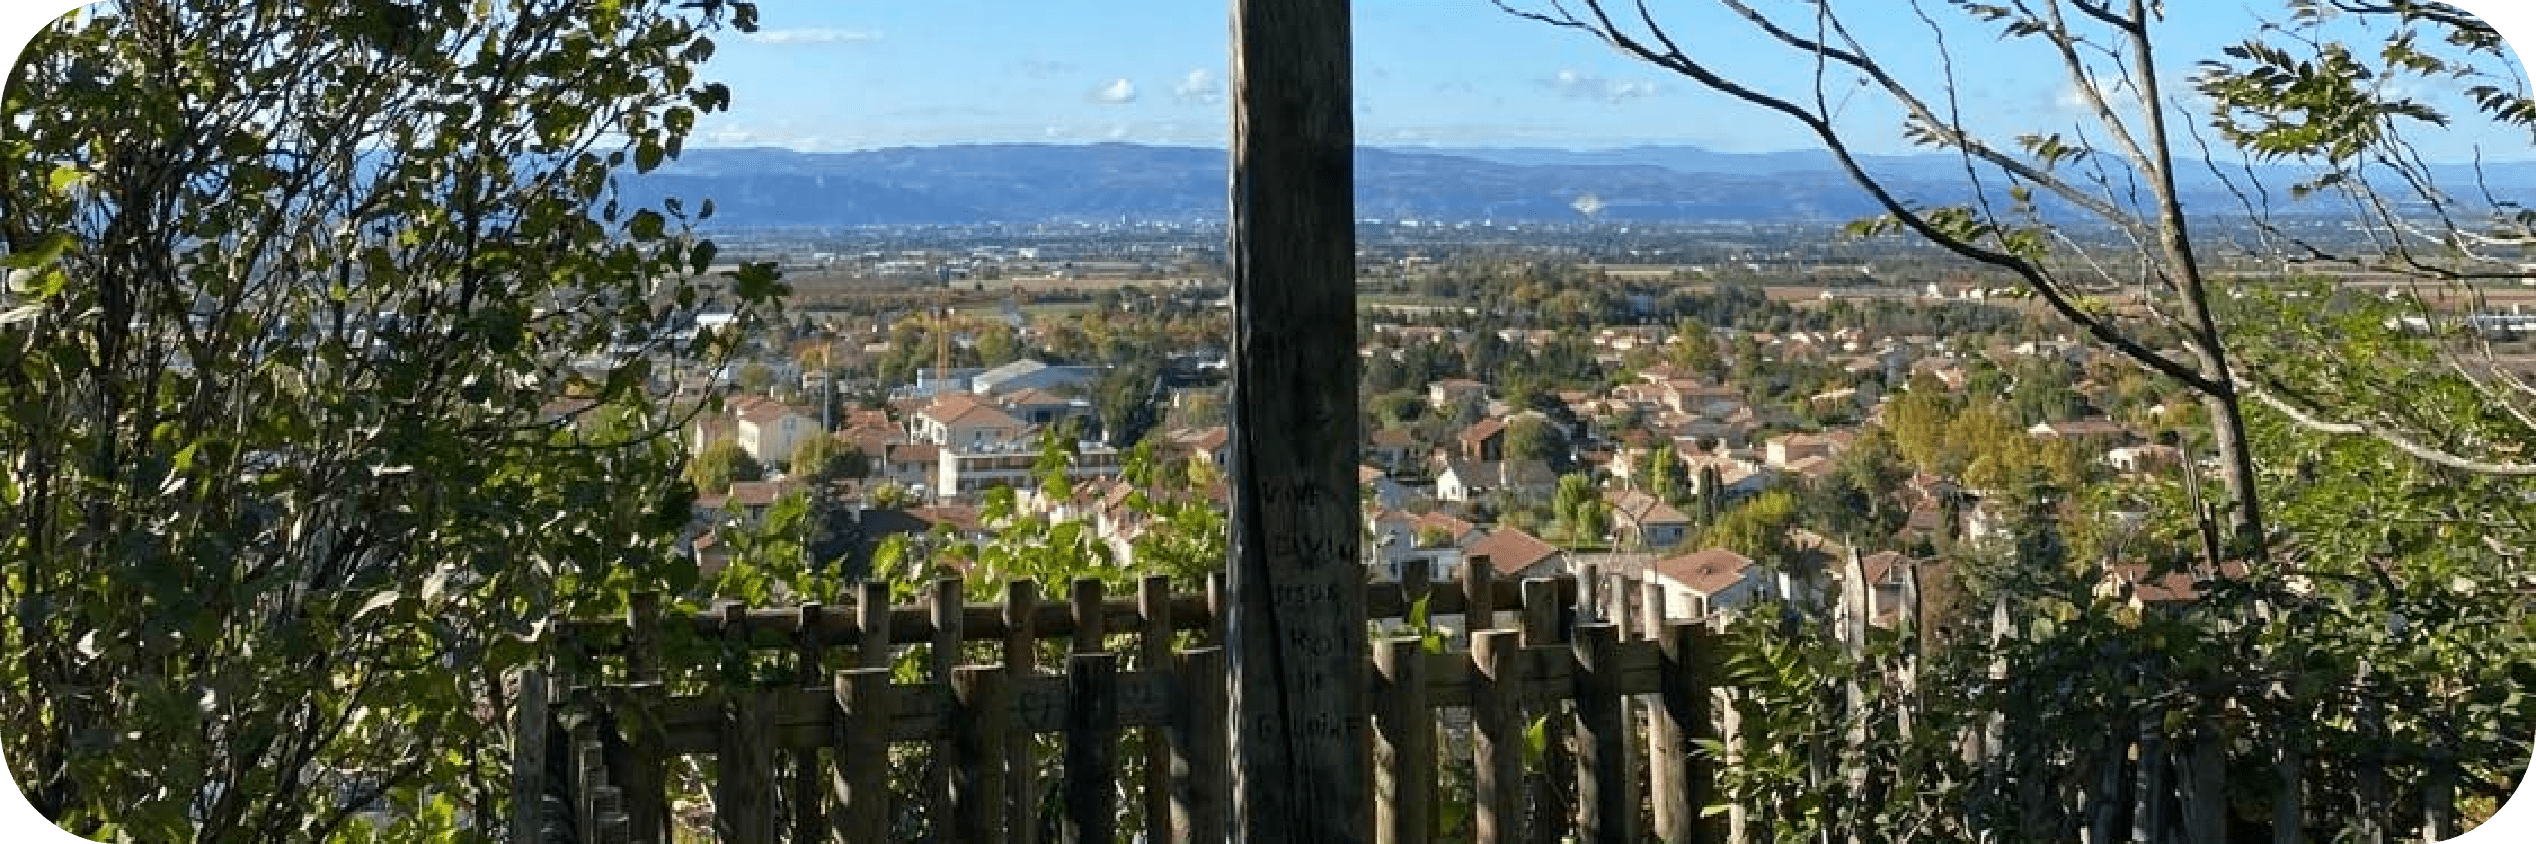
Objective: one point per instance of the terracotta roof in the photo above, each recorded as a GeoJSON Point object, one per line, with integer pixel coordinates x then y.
{"type": "Point", "coordinates": [764, 413]}
{"type": "Point", "coordinates": [1029, 396]}
{"type": "Point", "coordinates": [1707, 571]}
{"type": "Point", "coordinates": [1880, 567]}
{"type": "Point", "coordinates": [1510, 550]}
{"type": "Point", "coordinates": [964, 409]}
{"type": "Point", "coordinates": [963, 518]}
{"type": "Point", "coordinates": [1641, 509]}
{"type": "Point", "coordinates": [1394, 438]}
{"type": "Point", "coordinates": [761, 493]}
{"type": "Point", "coordinates": [1451, 526]}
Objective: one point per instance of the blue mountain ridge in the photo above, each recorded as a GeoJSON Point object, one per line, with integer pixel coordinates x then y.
{"type": "Point", "coordinates": [1026, 183]}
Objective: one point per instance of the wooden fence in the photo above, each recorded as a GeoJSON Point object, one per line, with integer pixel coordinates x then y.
{"type": "Point", "coordinates": [1580, 716]}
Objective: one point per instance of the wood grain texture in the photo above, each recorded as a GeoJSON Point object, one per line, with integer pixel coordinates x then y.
{"type": "Point", "coordinates": [1302, 749]}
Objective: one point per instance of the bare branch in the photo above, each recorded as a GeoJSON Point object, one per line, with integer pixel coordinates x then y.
{"type": "Point", "coordinates": [2399, 442]}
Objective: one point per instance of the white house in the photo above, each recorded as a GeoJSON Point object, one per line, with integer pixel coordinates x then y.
{"type": "Point", "coordinates": [1396, 541]}
{"type": "Point", "coordinates": [1710, 581]}
{"type": "Point", "coordinates": [964, 421]}
{"type": "Point", "coordinates": [770, 430]}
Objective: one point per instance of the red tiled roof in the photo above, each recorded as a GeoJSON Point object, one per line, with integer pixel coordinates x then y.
{"type": "Point", "coordinates": [1510, 551]}
{"type": "Point", "coordinates": [1707, 571]}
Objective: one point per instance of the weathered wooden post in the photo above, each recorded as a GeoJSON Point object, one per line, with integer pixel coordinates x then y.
{"type": "Point", "coordinates": [1302, 752]}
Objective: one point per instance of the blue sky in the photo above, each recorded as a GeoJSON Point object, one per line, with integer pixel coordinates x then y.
{"type": "Point", "coordinates": [868, 73]}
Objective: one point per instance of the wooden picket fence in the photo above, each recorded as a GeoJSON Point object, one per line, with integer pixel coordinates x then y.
{"type": "Point", "coordinates": [1585, 662]}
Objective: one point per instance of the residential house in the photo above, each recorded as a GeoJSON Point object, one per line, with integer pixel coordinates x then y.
{"type": "Point", "coordinates": [964, 420]}
{"type": "Point", "coordinates": [1400, 536]}
{"type": "Point", "coordinates": [1043, 408]}
{"type": "Point", "coordinates": [975, 466]}
{"type": "Point", "coordinates": [1394, 449]}
{"type": "Point", "coordinates": [1453, 393]}
{"type": "Point", "coordinates": [1484, 441]}
{"type": "Point", "coordinates": [1785, 449]}
{"type": "Point", "coordinates": [1512, 554]}
{"type": "Point", "coordinates": [769, 430]}
{"type": "Point", "coordinates": [2136, 459]}
{"type": "Point", "coordinates": [1710, 581]}
{"type": "Point", "coordinates": [1640, 520]}
{"type": "Point", "coordinates": [1382, 490]}
{"type": "Point", "coordinates": [1211, 445]}
{"type": "Point", "coordinates": [911, 465]}
{"type": "Point", "coordinates": [2096, 430]}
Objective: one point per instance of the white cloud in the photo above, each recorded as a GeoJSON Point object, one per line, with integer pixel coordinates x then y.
{"type": "Point", "coordinates": [1572, 84]}
{"type": "Point", "coordinates": [812, 36]}
{"type": "Point", "coordinates": [1118, 132]}
{"type": "Point", "coordinates": [1118, 92]}
{"type": "Point", "coordinates": [1199, 86]}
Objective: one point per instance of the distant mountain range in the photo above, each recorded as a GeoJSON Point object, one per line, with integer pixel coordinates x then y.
{"type": "Point", "coordinates": [1026, 183]}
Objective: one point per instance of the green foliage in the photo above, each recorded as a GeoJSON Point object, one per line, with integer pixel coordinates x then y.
{"type": "Point", "coordinates": [302, 280]}
{"type": "Point", "coordinates": [1758, 528]}
{"type": "Point", "coordinates": [720, 463]}
{"type": "Point", "coordinates": [1534, 438]}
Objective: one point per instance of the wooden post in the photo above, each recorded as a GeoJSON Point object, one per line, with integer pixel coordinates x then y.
{"type": "Point", "coordinates": [1201, 783]}
{"type": "Point", "coordinates": [1404, 750]}
{"type": "Point", "coordinates": [1609, 810]}
{"type": "Point", "coordinates": [860, 783]}
{"type": "Point", "coordinates": [2289, 768]}
{"type": "Point", "coordinates": [981, 719]}
{"type": "Point", "coordinates": [1089, 636]}
{"type": "Point", "coordinates": [528, 756]}
{"type": "Point", "coordinates": [2206, 800]}
{"type": "Point", "coordinates": [1544, 618]}
{"type": "Point", "coordinates": [1682, 718]}
{"type": "Point", "coordinates": [1417, 583]}
{"type": "Point", "coordinates": [871, 615]}
{"type": "Point", "coordinates": [608, 807]}
{"type": "Point", "coordinates": [2149, 822]}
{"type": "Point", "coordinates": [804, 781]}
{"type": "Point", "coordinates": [1302, 755]}
{"type": "Point", "coordinates": [1021, 660]}
{"type": "Point", "coordinates": [646, 776]}
{"type": "Point", "coordinates": [1219, 611]}
{"type": "Point", "coordinates": [944, 653]}
{"type": "Point", "coordinates": [591, 757]}
{"type": "Point", "coordinates": [744, 808]}
{"type": "Point", "coordinates": [1153, 607]}
{"type": "Point", "coordinates": [1091, 748]}
{"type": "Point", "coordinates": [2439, 796]}
{"type": "Point", "coordinates": [1497, 747]}
{"type": "Point", "coordinates": [1479, 599]}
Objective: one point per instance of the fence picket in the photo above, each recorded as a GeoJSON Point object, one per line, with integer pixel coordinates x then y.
{"type": "Point", "coordinates": [861, 773]}
{"type": "Point", "coordinates": [1091, 747]}
{"type": "Point", "coordinates": [943, 657]}
{"type": "Point", "coordinates": [1404, 744]}
{"type": "Point", "coordinates": [1021, 662]}
{"type": "Point", "coordinates": [1153, 601]}
{"type": "Point", "coordinates": [1609, 810]}
{"type": "Point", "coordinates": [771, 736]}
{"type": "Point", "coordinates": [1201, 781]}
{"type": "Point", "coordinates": [803, 780]}
{"type": "Point", "coordinates": [1496, 718]}
{"type": "Point", "coordinates": [978, 794]}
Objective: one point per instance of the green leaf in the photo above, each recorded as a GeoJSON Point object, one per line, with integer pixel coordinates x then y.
{"type": "Point", "coordinates": [646, 225]}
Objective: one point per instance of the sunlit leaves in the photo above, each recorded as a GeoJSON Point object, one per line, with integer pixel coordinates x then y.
{"type": "Point", "coordinates": [317, 267]}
